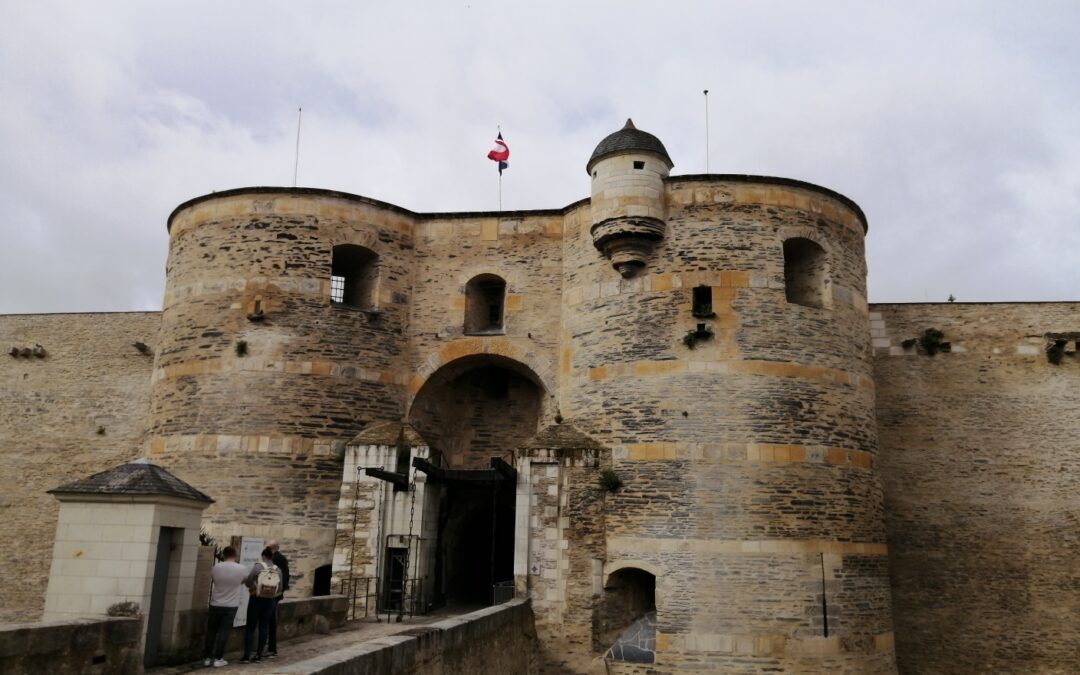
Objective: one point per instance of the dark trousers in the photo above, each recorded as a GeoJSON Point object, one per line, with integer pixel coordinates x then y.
{"type": "Point", "coordinates": [258, 617]}
{"type": "Point", "coordinates": [273, 626]}
{"type": "Point", "coordinates": [218, 624]}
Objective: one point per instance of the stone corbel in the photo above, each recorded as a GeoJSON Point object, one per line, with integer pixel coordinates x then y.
{"type": "Point", "coordinates": [628, 242]}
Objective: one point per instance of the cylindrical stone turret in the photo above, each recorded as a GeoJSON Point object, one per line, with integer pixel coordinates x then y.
{"type": "Point", "coordinates": [280, 337]}
{"type": "Point", "coordinates": [628, 169]}
{"type": "Point", "coordinates": [732, 378]}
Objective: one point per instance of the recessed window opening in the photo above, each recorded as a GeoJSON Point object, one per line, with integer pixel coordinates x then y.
{"type": "Point", "coordinates": [484, 304]}
{"type": "Point", "coordinates": [354, 275]}
{"type": "Point", "coordinates": [805, 272]}
{"type": "Point", "coordinates": [402, 464]}
{"type": "Point", "coordinates": [702, 307]}
{"type": "Point", "coordinates": [639, 164]}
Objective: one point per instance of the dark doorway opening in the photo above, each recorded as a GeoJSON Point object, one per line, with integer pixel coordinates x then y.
{"type": "Point", "coordinates": [476, 543]}
{"type": "Point", "coordinates": [397, 561]}
{"type": "Point", "coordinates": [321, 582]}
{"type": "Point", "coordinates": [158, 590]}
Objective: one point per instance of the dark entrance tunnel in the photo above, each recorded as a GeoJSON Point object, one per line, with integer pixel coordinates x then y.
{"type": "Point", "coordinates": [473, 531]}
{"type": "Point", "coordinates": [471, 410]}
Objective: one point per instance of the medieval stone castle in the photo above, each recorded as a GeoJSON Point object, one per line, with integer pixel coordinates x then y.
{"type": "Point", "coordinates": [666, 414]}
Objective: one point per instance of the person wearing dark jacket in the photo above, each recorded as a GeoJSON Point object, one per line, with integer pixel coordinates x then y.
{"type": "Point", "coordinates": [283, 564]}
{"type": "Point", "coordinates": [260, 606]}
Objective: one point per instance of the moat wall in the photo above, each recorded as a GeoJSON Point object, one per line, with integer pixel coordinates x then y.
{"type": "Point", "coordinates": [79, 410]}
{"type": "Point", "coordinates": [980, 452]}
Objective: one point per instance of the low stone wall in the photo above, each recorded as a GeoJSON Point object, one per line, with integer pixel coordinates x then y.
{"type": "Point", "coordinates": [75, 646]}
{"type": "Point", "coordinates": [295, 617]}
{"type": "Point", "coordinates": [499, 639]}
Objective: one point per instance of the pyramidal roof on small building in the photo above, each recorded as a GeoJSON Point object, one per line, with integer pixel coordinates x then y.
{"type": "Point", "coordinates": [562, 436]}
{"type": "Point", "coordinates": [388, 433]}
{"type": "Point", "coordinates": [137, 478]}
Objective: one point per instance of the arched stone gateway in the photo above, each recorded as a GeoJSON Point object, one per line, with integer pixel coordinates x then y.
{"type": "Point", "coordinates": [477, 407]}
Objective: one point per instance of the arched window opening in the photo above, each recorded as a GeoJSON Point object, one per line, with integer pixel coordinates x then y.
{"type": "Point", "coordinates": [806, 272]}
{"type": "Point", "coordinates": [354, 275]}
{"type": "Point", "coordinates": [626, 621]}
{"type": "Point", "coordinates": [484, 303]}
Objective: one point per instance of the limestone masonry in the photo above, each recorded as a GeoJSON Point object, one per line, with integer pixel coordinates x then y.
{"type": "Point", "coordinates": [666, 414]}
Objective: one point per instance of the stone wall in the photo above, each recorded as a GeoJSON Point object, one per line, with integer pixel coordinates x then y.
{"type": "Point", "coordinates": [981, 460]}
{"type": "Point", "coordinates": [295, 617]}
{"type": "Point", "coordinates": [79, 410]}
{"type": "Point", "coordinates": [498, 639]}
{"type": "Point", "coordinates": [75, 647]}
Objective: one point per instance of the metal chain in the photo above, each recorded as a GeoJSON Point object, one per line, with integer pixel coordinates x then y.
{"type": "Point", "coordinates": [409, 543]}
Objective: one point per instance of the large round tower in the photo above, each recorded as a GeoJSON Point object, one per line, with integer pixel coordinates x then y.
{"type": "Point", "coordinates": [731, 375]}
{"type": "Point", "coordinates": [281, 336]}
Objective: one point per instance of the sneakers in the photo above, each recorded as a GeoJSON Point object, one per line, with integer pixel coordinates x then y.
{"type": "Point", "coordinates": [271, 655]}
{"type": "Point", "coordinates": [207, 662]}
{"type": "Point", "coordinates": [220, 662]}
{"type": "Point", "coordinates": [246, 659]}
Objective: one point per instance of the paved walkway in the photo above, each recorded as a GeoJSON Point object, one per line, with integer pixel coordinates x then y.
{"type": "Point", "coordinates": [308, 646]}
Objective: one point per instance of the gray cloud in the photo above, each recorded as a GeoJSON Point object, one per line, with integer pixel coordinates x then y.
{"type": "Point", "coordinates": [953, 125]}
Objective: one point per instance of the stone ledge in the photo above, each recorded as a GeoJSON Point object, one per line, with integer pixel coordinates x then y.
{"type": "Point", "coordinates": [496, 639]}
{"type": "Point", "coordinates": [72, 646]}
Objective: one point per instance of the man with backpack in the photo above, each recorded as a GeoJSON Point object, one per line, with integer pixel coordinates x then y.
{"type": "Point", "coordinates": [283, 564]}
{"type": "Point", "coordinates": [264, 582]}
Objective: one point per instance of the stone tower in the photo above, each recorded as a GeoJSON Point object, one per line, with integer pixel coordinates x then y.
{"type": "Point", "coordinates": [731, 376]}
{"type": "Point", "coordinates": [279, 340]}
{"type": "Point", "coordinates": [628, 169]}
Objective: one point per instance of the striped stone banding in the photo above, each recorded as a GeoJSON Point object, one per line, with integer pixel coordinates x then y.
{"type": "Point", "coordinates": [731, 367]}
{"type": "Point", "coordinates": [258, 365]}
{"type": "Point", "coordinates": [764, 453]}
{"type": "Point", "coordinates": [631, 545]}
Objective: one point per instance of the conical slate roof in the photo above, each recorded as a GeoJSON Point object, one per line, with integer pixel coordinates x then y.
{"type": "Point", "coordinates": [628, 139]}
{"type": "Point", "coordinates": [562, 436]}
{"type": "Point", "coordinates": [139, 477]}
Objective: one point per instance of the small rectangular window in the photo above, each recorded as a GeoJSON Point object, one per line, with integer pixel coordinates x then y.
{"type": "Point", "coordinates": [703, 302]}
{"type": "Point", "coordinates": [639, 165]}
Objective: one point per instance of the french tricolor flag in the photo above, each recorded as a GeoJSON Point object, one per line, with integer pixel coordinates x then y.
{"type": "Point", "coordinates": [500, 153]}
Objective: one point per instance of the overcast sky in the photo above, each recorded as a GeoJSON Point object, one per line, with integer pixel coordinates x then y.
{"type": "Point", "coordinates": [956, 126]}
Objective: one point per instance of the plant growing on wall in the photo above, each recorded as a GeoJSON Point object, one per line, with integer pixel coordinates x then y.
{"type": "Point", "coordinates": [930, 342]}
{"type": "Point", "coordinates": [1055, 351]}
{"type": "Point", "coordinates": [129, 608]}
{"type": "Point", "coordinates": [609, 480]}
{"type": "Point", "coordinates": [696, 335]}
{"type": "Point", "coordinates": [206, 540]}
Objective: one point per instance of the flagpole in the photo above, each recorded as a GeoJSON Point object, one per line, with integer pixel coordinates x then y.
{"type": "Point", "coordinates": [498, 128]}
{"type": "Point", "coordinates": [296, 160]}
